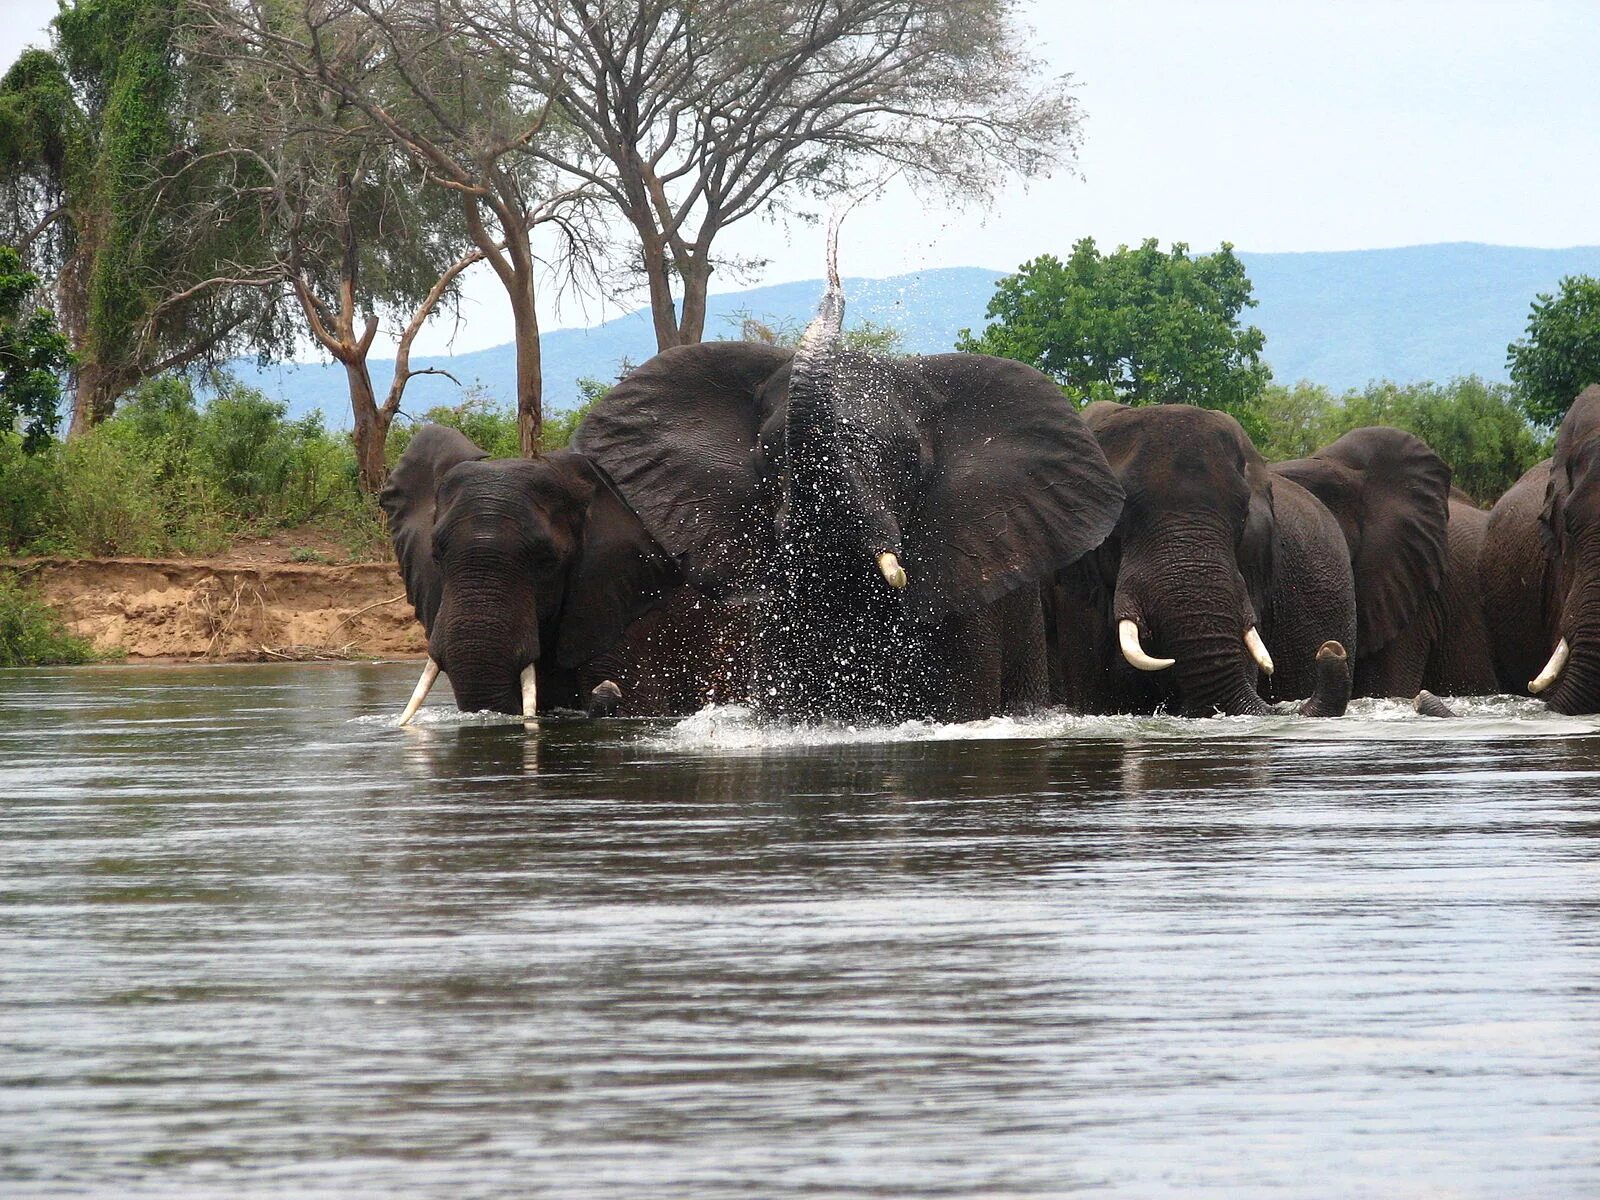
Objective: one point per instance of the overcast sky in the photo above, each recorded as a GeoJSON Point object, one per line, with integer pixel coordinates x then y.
{"type": "Point", "coordinates": [1275, 125]}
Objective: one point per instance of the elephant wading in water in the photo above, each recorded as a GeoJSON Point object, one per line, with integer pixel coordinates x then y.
{"type": "Point", "coordinates": [1227, 582]}
{"type": "Point", "coordinates": [1541, 570]}
{"type": "Point", "coordinates": [539, 588]}
{"type": "Point", "coordinates": [891, 519]}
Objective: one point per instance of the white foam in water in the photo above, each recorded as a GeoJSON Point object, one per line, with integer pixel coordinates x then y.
{"type": "Point", "coordinates": [735, 727]}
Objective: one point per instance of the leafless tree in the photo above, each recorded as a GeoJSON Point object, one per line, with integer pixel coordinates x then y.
{"type": "Point", "coordinates": [418, 75]}
{"type": "Point", "coordinates": [695, 114]}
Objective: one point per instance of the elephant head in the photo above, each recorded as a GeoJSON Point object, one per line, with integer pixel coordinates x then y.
{"type": "Point", "coordinates": [1186, 573]}
{"type": "Point", "coordinates": [520, 570]}
{"type": "Point", "coordinates": [1225, 570]}
{"type": "Point", "coordinates": [866, 499]}
{"type": "Point", "coordinates": [1570, 527]}
{"type": "Point", "coordinates": [1391, 495]}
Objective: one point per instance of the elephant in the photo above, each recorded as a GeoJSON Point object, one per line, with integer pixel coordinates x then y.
{"type": "Point", "coordinates": [1445, 647]}
{"type": "Point", "coordinates": [891, 520]}
{"type": "Point", "coordinates": [539, 588]}
{"type": "Point", "coordinates": [1541, 589]}
{"type": "Point", "coordinates": [1250, 583]}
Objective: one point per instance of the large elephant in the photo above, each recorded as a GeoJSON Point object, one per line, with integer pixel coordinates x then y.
{"type": "Point", "coordinates": [892, 519]}
{"type": "Point", "coordinates": [539, 588]}
{"type": "Point", "coordinates": [1541, 570]}
{"type": "Point", "coordinates": [1230, 582]}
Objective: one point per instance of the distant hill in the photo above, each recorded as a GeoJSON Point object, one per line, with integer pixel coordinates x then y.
{"type": "Point", "coordinates": [1337, 318]}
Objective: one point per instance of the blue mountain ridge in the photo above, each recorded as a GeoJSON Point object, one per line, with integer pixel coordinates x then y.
{"type": "Point", "coordinates": [1339, 318]}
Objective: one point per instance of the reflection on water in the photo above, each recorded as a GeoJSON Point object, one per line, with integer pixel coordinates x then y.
{"type": "Point", "coordinates": [257, 941]}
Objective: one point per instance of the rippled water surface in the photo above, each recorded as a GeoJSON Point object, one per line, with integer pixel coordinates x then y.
{"type": "Point", "coordinates": [255, 940]}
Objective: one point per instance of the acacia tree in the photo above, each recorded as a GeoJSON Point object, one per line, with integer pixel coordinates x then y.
{"type": "Point", "coordinates": [694, 116]}
{"type": "Point", "coordinates": [353, 236]}
{"type": "Point", "coordinates": [1143, 326]}
{"type": "Point", "coordinates": [1559, 355]}
{"type": "Point", "coordinates": [418, 76]}
{"type": "Point", "coordinates": [89, 128]}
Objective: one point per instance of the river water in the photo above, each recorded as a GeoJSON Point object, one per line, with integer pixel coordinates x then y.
{"type": "Point", "coordinates": [257, 941]}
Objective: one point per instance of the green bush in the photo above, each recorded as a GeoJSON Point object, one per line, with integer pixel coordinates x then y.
{"type": "Point", "coordinates": [1478, 428]}
{"type": "Point", "coordinates": [31, 633]}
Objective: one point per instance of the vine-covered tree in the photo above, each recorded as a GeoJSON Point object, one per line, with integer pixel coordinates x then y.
{"type": "Point", "coordinates": [1559, 355]}
{"type": "Point", "coordinates": [90, 128]}
{"type": "Point", "coordinates": [694, 116]}
{"type": "Point", "coordinates": [33, 356]}
{"type": "Point", "coordinates": [1142, 325]}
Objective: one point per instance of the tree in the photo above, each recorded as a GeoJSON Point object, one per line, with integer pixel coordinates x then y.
{"type": "Point", "coordinates": [349, 228]}
{"type": "Point", "coordinates": [1477, 427]}
{"type": "Point", "coordinates": [90, 128]}
{"type": "Point", "coordinates": [1559, 355]}
{"type": "Point", "coordinates": [416, 73]}
{"type": "Point", "coordinates": [33, 357]}
{"type": "Point", "coordinates": [694, 116]}
{"type": "Point", "coordinates": [1142, 326]}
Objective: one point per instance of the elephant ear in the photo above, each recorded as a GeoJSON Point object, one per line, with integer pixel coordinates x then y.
{"type": "Point", "coordinates": [408, 499]}
{"type": "Point", "coordinates": [1572, 458]}
{"type": "Point", "coordinates": [1017, 487]}
{"type": "Point", "coordinates": [679, 438]}
{"type": "Point", "coordinates": [621, 571]}
{"type": "Point", "coordinates": [1391, 495]}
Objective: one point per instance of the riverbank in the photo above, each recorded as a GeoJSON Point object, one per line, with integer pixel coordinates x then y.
{"type": "Point", "coordinates": [241, 607]}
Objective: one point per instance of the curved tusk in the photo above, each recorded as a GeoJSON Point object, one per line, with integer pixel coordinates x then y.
{"type": "Point", "coordinates": [530, 691]}
{"type": "Point", "coordinates": [893, 573]}
{"type": "Point", "coordinates": [1557, 664]}
{"type": "Point", "coordinates": [424, 686]}
{"type": "Point", "coordinates": [1258, 649]}
{"type": "Point", "coordinates": [1128, 638]}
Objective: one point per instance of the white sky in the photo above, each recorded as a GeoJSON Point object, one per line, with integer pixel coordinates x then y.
{"type": "Point", "coordinates": [1273, 124]}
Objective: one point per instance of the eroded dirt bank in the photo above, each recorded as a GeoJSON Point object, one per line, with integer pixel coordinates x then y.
{"type": "Point", "coordinates": [228, 611]}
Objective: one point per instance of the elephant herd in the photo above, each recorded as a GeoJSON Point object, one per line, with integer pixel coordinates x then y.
{"type": "Point", "coordinates": [828, 534]}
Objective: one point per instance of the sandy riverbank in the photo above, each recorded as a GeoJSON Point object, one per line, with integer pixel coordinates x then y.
{"type": "Point", "coordinates": [224, 610]}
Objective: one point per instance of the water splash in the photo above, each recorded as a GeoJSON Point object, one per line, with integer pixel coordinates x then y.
{"type": "Point", "coordinates": [738, 728]}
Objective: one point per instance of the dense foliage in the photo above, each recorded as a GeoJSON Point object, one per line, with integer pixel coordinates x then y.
{"type": "Point", "coordinates": [1138, 325]}
{"type": "Point", "coordinates": [31, 634]}
{"type": "Point", "coordinates": [33, 356]}
{"type": "Point", "coordinates": [167, 474]}
{"type": "Point", "coordinates": [1478, 428]}
{"type": "Point", "coordinates": [1559, 355]}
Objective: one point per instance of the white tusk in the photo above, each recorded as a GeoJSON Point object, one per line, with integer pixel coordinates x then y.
{"type": "Point", "coordinates": [530, 691]}
{"type": "Point", "coordinates": [1258, 649]}
{"type": "Point", "coordinates": [1557, 664]}
{"type": "Point", "coordinates": [424, 686]}
{"type": "Point", "coordinates": [893, 573]}
{"type": "Point", "coordinates": [1128, 636]}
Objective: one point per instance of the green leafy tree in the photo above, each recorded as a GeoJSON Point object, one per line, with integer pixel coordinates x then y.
{"type": "Point", "coordinates": [102, 175]}
{"type": "Point", "coordinates": [33, 356]}
{"type": "Point", "coordinates": [1560, 354]}
{"type": "Point", "coordinates": [1143, 326]}
{"type": "Point", "coordinates": [1478, 428]}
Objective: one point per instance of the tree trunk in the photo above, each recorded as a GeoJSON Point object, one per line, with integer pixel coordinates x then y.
{"type": "Point", "coordinates": [696, 280]}
{"type": "Point", "coordinates": [530, 384]}
{"type": "Point", "coordinates": [371, 434]}
{"type": "Point", "coordinates": [663, 309]}
{"type": "Point", "coordinates": [95, 396]}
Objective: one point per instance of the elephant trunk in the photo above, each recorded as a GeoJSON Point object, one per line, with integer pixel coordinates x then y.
{"type": "Point", "coordinates": [811, 425]}
{"type": "Point", "coordinates": [1576, 687]}
{"type": "Point", "coordinates": [484, 638]}
{"type": "Point", "coordinates": [1182, 586]}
